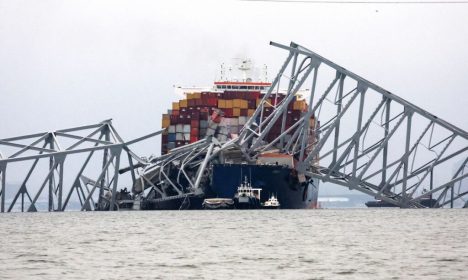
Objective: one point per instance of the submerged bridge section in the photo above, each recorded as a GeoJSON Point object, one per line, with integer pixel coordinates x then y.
{"type": "Point", "coordinates": [368, 139]}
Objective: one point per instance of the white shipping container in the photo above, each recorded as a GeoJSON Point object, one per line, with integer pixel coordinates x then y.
{"type": "Point", "coordinates": [242, 120]}
{"type": "Point", "coordinates": [223, 130]}
{"type": "Point", "coordinates": [187, 129]}
{"type": "Point", "coordinates": [179, 136]}
{"type": "Point", "coordinates": [187, 136]}
{"type": "Point", "coordinates": [172, 129]}
{"type": "Point", "coordinates": [179, 128]}
{"type": "Point", "coordinates": [234, 129]}
{"type": "Point", "coordinates": [225, 122]}
{"type": "Point", "coordinates": [234, 122]}
{"type": "Point", "coordinates": [210, 131]}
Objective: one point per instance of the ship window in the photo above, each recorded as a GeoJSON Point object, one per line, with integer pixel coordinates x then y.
{"type": "Point", "coordinates": [257, 87]}
{"type": "Point", "coordinates": [235, 87]}
{"type": "Point", "coordinates": [229, 87]}
{"type": "Point", "coordinates": [262, 88]}
{"type": "Point", "coordinates": [223, 86]}
{"type": "Point", "coordinates": [243, 87]}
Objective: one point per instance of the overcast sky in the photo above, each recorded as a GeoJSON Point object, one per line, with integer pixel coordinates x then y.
{"type": "Point", "coordinates": [70, 63]}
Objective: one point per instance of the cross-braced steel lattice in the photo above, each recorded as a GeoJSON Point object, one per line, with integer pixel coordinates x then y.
{"type": "Point", "coordinates": [368, 138]}
{"type": "Point", "coordinates": [54, 148]}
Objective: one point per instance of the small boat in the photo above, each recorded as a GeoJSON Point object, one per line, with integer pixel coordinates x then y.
{"type": "Point", "coordinates": [247, 197]}
{"type": "Point", "coordinates": [272, 203]}
{"type": "Point", "coordinates": [218, 203]}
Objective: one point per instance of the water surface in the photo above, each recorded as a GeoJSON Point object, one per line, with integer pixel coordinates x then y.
{"type": "Point", "coordinates": [263, 244]}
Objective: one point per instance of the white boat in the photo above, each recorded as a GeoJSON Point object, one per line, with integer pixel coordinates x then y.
{"type": "Point", "coordinates": [271, 203]}
{"type": "Point", "coordinates": [247, 197]}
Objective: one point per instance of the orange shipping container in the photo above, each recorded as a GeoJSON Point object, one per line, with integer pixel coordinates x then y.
{"type": "Point", "coordinates": [166, 123]}
{"type": "Point", "coordinates": [175, 106]}
{"type": "Point", "coordinates": [196, 95]}
{"type": "Point", "coordinates": [221, 103]}
{"type": "Point", "coordinates": [244, 104]}
{"type": "Point", "coordinates": [236, 112]}
{"type": "Point", "coordinates": [236, 103]}
{"type": "Point", "coordinates": [229, 104]}
{"type": "Point", "coordinates": [250, 112]}
{"type": "Point", "coordinates": [299, 105]}
{"type": "Point", "coordinates": [183, 103]}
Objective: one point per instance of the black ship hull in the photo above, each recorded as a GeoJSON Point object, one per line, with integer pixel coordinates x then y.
{"type": "Point", "coordinates": [277, 180]}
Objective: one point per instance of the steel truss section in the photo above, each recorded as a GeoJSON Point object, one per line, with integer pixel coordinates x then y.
{"type": "Point", "coordinates": [55, 148]}
{"type": "Point", "coordinates": [368, 138]}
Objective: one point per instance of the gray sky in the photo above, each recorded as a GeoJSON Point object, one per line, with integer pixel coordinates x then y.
{"type": "Point", "coordinates": [69, 63]}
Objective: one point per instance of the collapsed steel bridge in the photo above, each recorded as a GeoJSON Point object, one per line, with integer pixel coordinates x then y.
{"type": "Point", "coordinates": [368, 140]}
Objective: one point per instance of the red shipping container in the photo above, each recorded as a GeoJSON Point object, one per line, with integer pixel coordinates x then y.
{"type": "Point", "coordinates": [194, 123]}
{"type": "Point", "coordinates": [198, 102]}
{"type": "Point", "coordinates": [244, 112]}
{"type": "Point", "coordinates": [204, 115]}
{"type": "Point", "coordinates": [175, 112]}
{"type": "Point", "coordinates": [174, 119]}
{"type": "Point", "coordinates": [213, 102]}
{"type": "Point", "coordinates": [195, 115]}
{"type": "Point", "coordinates": [194, 131]}
{"type": "Point", "coordinates": [228, 112]}
{"type": "Point", "coordinates": [191, 103]}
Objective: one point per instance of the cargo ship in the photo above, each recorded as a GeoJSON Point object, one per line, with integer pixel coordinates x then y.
{"type": "Point", "coordinates": [220, 112]}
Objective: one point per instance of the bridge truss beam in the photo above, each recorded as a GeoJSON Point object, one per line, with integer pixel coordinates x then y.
{"type": "Point", "coordinates": [368, 139]}
{"type": "Point", "coordinates": [55, 148]}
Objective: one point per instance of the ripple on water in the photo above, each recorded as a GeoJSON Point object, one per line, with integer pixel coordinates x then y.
{"type": "Point", "coordinates": [301, 244]}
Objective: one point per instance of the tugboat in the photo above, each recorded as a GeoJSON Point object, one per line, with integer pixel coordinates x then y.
{"type": "Point", "coordinates": [218, 203]}
{"type": "Point", "coordinates": [271, 203]}
{"type": "Point", "coordinates": [247, 197]}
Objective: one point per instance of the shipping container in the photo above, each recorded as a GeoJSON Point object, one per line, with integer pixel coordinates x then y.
{"type": "Point", "coordinates": [183, 103]}
{"type": "Point", "coordinates": [171, 137]}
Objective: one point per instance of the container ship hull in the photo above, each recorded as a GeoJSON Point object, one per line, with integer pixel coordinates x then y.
{"type": "Point", "coordinates": [277, 180]}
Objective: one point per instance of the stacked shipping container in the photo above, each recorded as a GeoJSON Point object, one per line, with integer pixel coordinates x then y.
{"type": "Point", "coordinates": [188, 120]}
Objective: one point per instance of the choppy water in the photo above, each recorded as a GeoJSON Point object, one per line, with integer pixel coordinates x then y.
{"type": "Point", "coordinates": [274, 244]}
